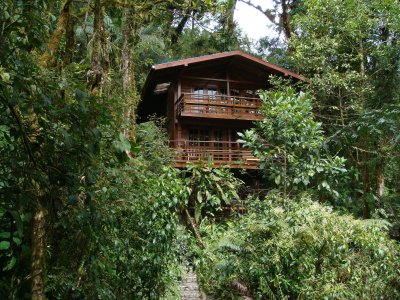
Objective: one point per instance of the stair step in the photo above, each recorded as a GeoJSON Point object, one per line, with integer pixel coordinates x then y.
{"type": "Point", "coordinates": [189, 287]}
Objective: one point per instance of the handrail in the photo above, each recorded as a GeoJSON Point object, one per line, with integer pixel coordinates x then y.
{"type": "Point", "coordinates": [221, 95]}
{"type": "Point", "coordinates": [196, 97]}
{"type": "Point", "coordinates": [189, 142]}
{"type": "Point", "coordinates": [222, 105]}
{"type": "Point", "coordinates": [221, 153]}
{"type": "Point", "coordinates": [254, 105]}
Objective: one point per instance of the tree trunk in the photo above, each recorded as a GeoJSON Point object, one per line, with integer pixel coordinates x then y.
{"type": "Point", "coordinates": [69, 41]}
{"type": "Point", "coordinates": [128, 70]}
{"type": "Point", "coordinates": [366, 188]}
{"type": "Point", "coordinates": [48, 57]}
{"type": "Point", "coordinates": [105, 43]}
{"type": "Point", "coordinates": [2, 35]}
{"type": "Point", "coordinates": [285, 19]}
{"type": "Point", "coordinates": [38, 253]}
{"type": "Point", "coordinates": [97, 75]}
{"type": "Point", "coordinates": [229, 24]}
{"type": "Point", "coordinates": [179, 29]}
{"type": "Point", "coordinates": [196, 233]}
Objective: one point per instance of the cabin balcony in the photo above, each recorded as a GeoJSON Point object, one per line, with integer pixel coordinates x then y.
{"type": "Point", "coordinates": [219, 107]}
{"type": "Point", "coordinates": [221, 153]}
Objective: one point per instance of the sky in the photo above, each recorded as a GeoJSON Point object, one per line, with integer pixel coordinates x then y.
{"type": "Point", "coordinates": [253, 22]}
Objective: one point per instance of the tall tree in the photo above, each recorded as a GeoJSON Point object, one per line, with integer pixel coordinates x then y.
{"type": "Point", "coordinates": [55, 120]}
{"type": "Point", "coordinates": [97, 69]}
{"type": "Point", "coordinates": [350, 51]}
{"type": "Point", "coordinates": [62, 24]}
{"type": "Point", "coordinates": [128, 75]}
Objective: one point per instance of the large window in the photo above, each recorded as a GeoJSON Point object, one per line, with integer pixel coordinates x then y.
{"type": "Point", "coordinates": [199, 137]}
{"type": "Point", "coordinates": [205, 92]}
{"type": "Point", "coordinates": [220, 143]}
{"type": "Point", "coordinates": [204, 97]}
{"type": "Point", "coordinates": [199, 92]}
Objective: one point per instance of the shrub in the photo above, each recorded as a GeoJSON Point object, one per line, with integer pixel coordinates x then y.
{"type": "Point", "coordinates": [300, 249]}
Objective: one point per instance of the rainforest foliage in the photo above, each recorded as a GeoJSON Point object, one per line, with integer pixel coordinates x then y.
{"type": "Point", "coordinates": [91, 207]}
{"type": "Point", "coordinates": [297, 248]}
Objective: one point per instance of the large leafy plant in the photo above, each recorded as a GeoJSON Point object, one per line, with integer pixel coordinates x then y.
{"type": "Point", "coordinates": [210, 188]}
{"type": "Point", "coordinates": [290, 143]}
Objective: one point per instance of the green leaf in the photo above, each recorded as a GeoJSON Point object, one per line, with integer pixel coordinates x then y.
{"type": "Point", "coordinates": [122, 144]}
{"type": "Point", "coordinates": [5, 235]}
{"type": "Point", "coordinates": [4, 245]}
{"type": "Point", "coordinates": [199, 197]}
{"type": "Point", "coordinates": [278, 180]}
{"type": "Point", "coordinates": [17, 241]}
{"type": "Point", "coordinates": [197, 213]}
{"type": "Point", "coordinates": [5, 76]}
{"type": "Point", "coordinates": [10, 264]}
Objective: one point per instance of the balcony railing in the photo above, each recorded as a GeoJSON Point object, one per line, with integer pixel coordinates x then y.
{"type": "Point", "coordinates": [221, 152]}
{"type": "Point", "coordinates": [219, 106]}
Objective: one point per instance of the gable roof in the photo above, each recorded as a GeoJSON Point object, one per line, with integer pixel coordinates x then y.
{"type": "Point", "coordinates": [165, 72]}
{"type": "Point", "coordinates": [194, 60]}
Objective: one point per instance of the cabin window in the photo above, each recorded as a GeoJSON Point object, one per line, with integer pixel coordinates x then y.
{"type": "Point", "coordinates": [218, 135]}
{"type": "Point", "coordinates": [218, 145]}
{"type": "Point", "coordinates": [199, 92]}
{"type": "Point", "coordinates": [208, 92]}
{"type": "Point", "coordinates": [234, 92]}
{"type": "Point", "coordinates": [199, 137]}
{"type": "Point", "coordinates": [250, 93]}
{"type": "Point", "coordinates": [212, 92]}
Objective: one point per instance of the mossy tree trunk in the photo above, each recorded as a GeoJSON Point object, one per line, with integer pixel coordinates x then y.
{"type": "Point", "coordinates": [38, 252]}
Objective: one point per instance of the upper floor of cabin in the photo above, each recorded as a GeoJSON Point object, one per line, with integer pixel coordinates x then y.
{"type": "Point", "coordinates": [214, 96]}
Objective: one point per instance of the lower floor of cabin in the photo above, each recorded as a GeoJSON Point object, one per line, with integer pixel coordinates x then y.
{"type": "Point", "coordinates": [216, 141]}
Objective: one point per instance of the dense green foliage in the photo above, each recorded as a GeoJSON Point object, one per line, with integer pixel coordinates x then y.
{"type": "Point", "coordinates": [290, 143]}
{"type": "Point", "coordinates": [127, 238]}
{"type": "Point", "coordinates": [299, 249]}
{"type": "Point", "coordinates": [210, 188]}
{"type": "Point", "coordinates": [85, 212]}
{"type": "Point", "coordinates": [90, 205]}
{"type": "Point", "coordinates": [350, 52]}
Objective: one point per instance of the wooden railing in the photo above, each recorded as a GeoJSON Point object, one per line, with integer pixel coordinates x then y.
{"type": "Point", "coordinates": [219, 106]}
{"type": "Point", "coordinates": [221, 152]}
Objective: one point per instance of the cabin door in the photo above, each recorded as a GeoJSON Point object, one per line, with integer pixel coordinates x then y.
{"type": "Point", "coordinates": [205, 142]}
{"type": "Point", "coordinates": [204, 98]}
{"type": "Point", "coordinates": [199, 143]}
{"type": "Point", "coordinates": [219, 147]}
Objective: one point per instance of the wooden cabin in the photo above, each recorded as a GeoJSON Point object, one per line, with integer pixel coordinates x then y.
{"type": "Point", "coordinates": [207, 100]}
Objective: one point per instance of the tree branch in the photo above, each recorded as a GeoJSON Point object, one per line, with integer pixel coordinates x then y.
{"type": "Point", "coordinates": [266, 12]}
{"type": "Point", "coordinates": [24, 136]}
{"type": "Point", "coordinates": [194, 229]}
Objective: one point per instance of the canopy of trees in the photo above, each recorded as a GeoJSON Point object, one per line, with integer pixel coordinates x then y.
{"type": "Point", "coordinates": [90, 205]}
